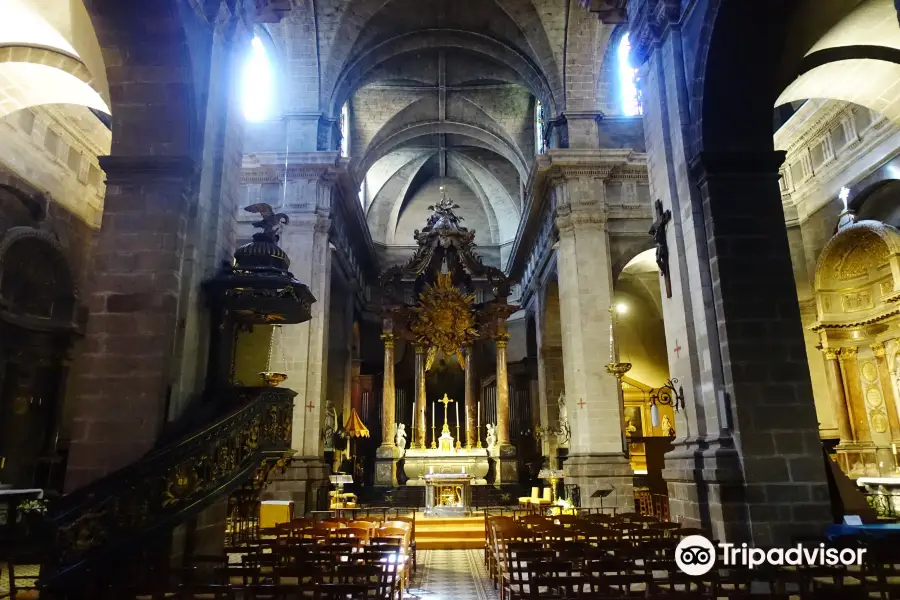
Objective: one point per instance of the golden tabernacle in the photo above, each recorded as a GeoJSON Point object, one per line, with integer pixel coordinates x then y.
{"type": "Point", "coordinates": [448, 494]}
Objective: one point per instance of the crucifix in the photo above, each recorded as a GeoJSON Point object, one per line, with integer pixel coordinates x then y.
{"type": "Point", "coordinates": [445, 401]}
{"type": "Point", "coordinates": [581, 403]}
{"type": "Point", "coordinates": [658, 231]}
{"type": "Point", "coordinates": [677, 349]}
{"type": "Point", "coordinates": [309, 406]}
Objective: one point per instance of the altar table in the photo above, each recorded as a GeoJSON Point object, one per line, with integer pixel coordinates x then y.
{"type": "Point", "coordinates": [448, 494]}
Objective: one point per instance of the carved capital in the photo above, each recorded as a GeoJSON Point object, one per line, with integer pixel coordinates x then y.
{"type": "Point", "coordinates": [830, 353]}
{"type": "Point", "coordinates": [568, 220]}
{"type": "Point", "coordinates": [388, 339]}
{"type": "Point", "coordinates": [647, 22]}
{"type": "Point", "coordinates": [502, 340]}
{"type": "Point", "coordinates": [879, 350]}
{"type": "Point", "coordinates": [848, 353]}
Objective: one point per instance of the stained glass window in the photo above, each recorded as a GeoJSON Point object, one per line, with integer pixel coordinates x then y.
{"type": "Point", "coordinates": [257, 83]}
{"type": "Point", "coordinates": [630, 94]}
{"type": "Point", "coordinates": [539, 128]}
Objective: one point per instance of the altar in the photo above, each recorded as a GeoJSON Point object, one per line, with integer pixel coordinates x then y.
{"type": "Point", "coordinates": [448, 494]}
{"type": "Point", "coordinates": [430, 304]}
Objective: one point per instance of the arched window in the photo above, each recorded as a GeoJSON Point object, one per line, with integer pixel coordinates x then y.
{"type": "Point", "coordinates": [630, 95]}
{"type": "Point", "coordinates": [257, 83]}
{"type": "Point", "coordinates": [538, 127]}
{"type": "Point", "coordinates": [345, 130]}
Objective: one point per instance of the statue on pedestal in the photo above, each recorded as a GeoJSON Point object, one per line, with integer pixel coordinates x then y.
{"type": "Point", "coordinates": [491, 437]}
{"type": "Point", "coordinates": [400, 437]}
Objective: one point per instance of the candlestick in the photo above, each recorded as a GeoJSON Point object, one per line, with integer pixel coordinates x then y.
{"type": "Point", "coordinates": [478, 428]}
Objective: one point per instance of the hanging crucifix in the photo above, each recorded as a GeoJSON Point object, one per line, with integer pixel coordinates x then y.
{"type": "Point", "coordinates": [658, 231]}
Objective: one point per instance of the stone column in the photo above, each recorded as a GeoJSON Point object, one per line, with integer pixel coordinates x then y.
{"type": "Point", "coordinates": [386, 459]}
{"type": "Point", "coordinates": [421, 399]}
{"type": "Point", "coordinates": [301, 351]}
{"type": "Point", "coordinates": [507, 469]}
{"type": "Point", "coordinates": [502, 392]}
{"type": "Point", "coordinates": [128, 367]}
{"type": "Point", "coordinates": [471, 401]}
{"type": "Point", "coordinates": [884, 374]}
{"type": "Point", "coordinates": [859, 419]}
{"type": "Point", "coordinates": [597, 458]}
{"type": "Point", "coordinates": [839, 398]}
{"type": "Point", "coordinates": [387, 392]}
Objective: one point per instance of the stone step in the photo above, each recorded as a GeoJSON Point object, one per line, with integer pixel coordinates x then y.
{"type": "Point", "coordinates": [449, 543]}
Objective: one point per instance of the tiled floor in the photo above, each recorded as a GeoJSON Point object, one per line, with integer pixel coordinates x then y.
{"type": "Point", "coordinates": [451, 575]}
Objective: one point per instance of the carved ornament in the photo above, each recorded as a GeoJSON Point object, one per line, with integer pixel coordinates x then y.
{"type": "Point", "coordinates": [444, 320]}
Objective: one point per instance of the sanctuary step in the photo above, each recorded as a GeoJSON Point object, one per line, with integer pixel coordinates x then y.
{"type": "Point", "coordinates": [449, 533]}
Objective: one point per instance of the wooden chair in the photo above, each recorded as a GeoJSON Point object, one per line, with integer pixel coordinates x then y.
{"type": "Point", "coordinates": [22, 581]}
{"type": "Point", "coordinates": [411, 521]}
{"type": "Point", "coordinates": [526, 502]}
{"type": "Point", "coordinates": [545, 499]}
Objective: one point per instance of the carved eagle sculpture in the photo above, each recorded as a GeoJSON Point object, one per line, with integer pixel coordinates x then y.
{"type": "Point", "coordinates": [270, 221]}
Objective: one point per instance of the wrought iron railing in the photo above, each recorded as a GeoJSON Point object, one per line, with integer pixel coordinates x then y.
{"type": "Point", "coordinates": [168, 485]}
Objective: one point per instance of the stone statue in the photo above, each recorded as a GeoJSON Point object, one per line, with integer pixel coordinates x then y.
{"type": "Point", "coordinates": [329, 427]}
{"type": "Point", "coordinates": [491, 437]}
{"type": "Point", "coordinates": [666, 426]}
{"type": "Point", "coordinates": [400, 436]}
{"type": "Point", "coordinates": [562, 436]}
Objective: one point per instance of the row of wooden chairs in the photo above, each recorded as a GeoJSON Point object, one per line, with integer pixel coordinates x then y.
{"type": "Point", "coordinates": [637, 558]}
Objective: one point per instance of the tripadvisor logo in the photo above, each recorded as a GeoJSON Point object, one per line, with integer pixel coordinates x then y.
{"type": "Point", "coordinates": [696, 555]}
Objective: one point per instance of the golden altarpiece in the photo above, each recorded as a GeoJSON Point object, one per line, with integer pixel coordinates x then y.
{"type": "Point", "coordinates": [430, 303]}
{"type": "Point", "coordinates": [858, 323]}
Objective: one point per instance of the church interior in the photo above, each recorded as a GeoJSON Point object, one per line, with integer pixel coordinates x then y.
{"type": "Point", "coordinates": [465, 299]}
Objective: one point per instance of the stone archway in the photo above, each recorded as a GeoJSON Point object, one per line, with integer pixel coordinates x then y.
{"type": "Point", "coordinates": [37, 330]}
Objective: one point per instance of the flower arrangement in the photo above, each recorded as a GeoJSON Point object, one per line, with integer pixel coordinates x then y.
{"type": "Point", "coordinates": [34, 506]}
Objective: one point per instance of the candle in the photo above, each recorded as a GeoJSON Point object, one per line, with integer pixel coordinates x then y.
{"type": "Point", "coordinates": [894, 448]}
{"type": "Point", "coordinates": [456, 410]}
{"type": "Point", "coordinates": [478, 430]}
{"type": "Point", "coordinates": [433, 413]}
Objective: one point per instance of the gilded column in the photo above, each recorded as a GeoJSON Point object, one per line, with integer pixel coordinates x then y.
{"type": "Point", "coordinates": [502, 392]}
{"type": "Point", "coordinates": [859, 421]}
{"type": "Point", "coordinates": [471, 401]}
{"type": "Point", "coordinates": [387, 393]}
{"type": "Point", "coordinates": [884, 375]}
{"type": "Point", "coordinates": [838, 397]}
{"type": "Point", "coordinates": [421, 431]}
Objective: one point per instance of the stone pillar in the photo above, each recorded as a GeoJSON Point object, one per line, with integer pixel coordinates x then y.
{"type": "Point", "coordinates": [597, 458]}
{"type": "Point", "coordinates": [386, 463]}
{"type": "Point", "coordinates": [421, 399]}
{"type": "Point", "coordinates": [859, 419]}
{"type": "Point", "coordinates": [301, 351]}
{"type": "Point", "coordinates": [127, 369]}
{"type": "Point", "coordinates": [471, 401]}
{"type": "Point", "coordinates": [502, 393]}
{"type": "Point", "coordinates": [387, 392]}
{"type": "Point", "coordinates": [839, 398]}
{"type": "Point", "coordinates": [767, 400]}
{"type": "Point", "coordinates": [507, 471]}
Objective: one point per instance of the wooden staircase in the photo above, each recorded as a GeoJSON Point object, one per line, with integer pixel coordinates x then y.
{"type": "Point", "coordinates": [449, 534]}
